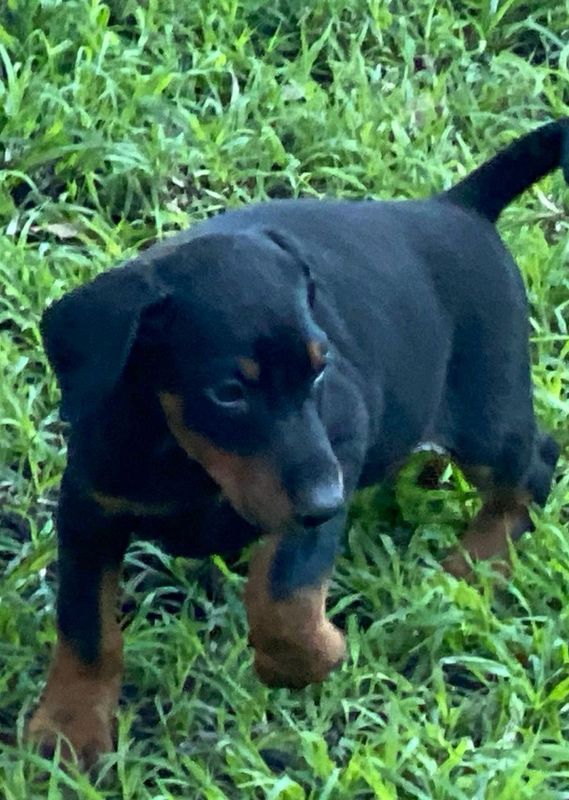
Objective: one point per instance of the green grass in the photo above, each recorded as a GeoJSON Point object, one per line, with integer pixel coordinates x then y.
{"type": "Point", "coordinates": [121, 121]}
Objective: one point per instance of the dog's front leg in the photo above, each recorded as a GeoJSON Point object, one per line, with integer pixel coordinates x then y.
{"type": "Point", "coordinates": [295, 644]}
{"type": "Point", "coordinates": [83, 685]}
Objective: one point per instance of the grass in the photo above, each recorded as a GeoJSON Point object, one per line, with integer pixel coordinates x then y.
{"type": "Point", "coordinates": [121, 121]}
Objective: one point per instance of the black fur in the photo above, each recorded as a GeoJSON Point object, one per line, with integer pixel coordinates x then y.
{"type": "Point", "coordinates": [424, 315]}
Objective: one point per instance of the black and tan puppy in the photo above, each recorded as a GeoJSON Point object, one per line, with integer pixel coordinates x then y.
{"type": "Point", "coordinates": [243, 378]}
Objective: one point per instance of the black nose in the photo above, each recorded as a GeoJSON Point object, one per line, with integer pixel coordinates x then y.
{"type": "Point", "coordinates": [320, 504]}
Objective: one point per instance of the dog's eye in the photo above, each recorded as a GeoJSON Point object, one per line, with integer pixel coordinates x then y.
{"type": "Point", "coordinates": [324, 362]}
{"type": "Point", "coordinates": [318, 379]}
{"type": "Point", "coordinates": [230, 394]}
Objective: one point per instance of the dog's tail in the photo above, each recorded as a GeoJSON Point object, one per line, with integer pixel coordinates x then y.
{"type": "Point", "coordinates": [490, 188]}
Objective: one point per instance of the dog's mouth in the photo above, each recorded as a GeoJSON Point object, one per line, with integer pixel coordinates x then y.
{"type": "Point", "coordinates": [254, 491]}
{"type": "Point", "coordinates": [263, 502]}
{"type": "Point", "coordinates": [252, 485]}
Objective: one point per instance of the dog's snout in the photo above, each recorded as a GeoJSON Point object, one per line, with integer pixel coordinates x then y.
{"type": "Point", "coordinates": [320, 505]}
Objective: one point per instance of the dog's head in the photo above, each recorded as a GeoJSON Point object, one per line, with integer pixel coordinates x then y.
{"type": "Point", "coordinates": [223, 327]}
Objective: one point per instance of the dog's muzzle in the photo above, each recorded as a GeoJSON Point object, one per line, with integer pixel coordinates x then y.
{"type": "Point", "coordinates": [320, 503]}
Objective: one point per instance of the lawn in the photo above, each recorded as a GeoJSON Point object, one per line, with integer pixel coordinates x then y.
{"type": "Point", "coordinates": [122, 121]}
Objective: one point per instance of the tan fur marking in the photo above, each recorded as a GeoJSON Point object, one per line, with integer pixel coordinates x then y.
{"type": "Point", "coordinates": [295, 644]}
{"type": "Point", "coordinates": [315, 355]}
{"type": "Point", "coordinates": [250, 369]}
{"type": "Point", "coordinates": [112, 505]}
{"type": "Point", "coordinates": [249, 483]}
{"type": "Point", "coordinates": [80, 700]}
{"type": "Point", "coordinates": [503, 518]}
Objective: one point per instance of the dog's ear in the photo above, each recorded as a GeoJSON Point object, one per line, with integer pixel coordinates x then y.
{"type": "Point", "coordinates": [293, 248]}
{"type": "Point", "coordinates": [89, 334]}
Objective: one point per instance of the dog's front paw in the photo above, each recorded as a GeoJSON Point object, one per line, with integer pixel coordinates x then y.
{"type": "Point", "coordinates": [85, 731]}
{"type": "Point", "coordinates": [293, 664]}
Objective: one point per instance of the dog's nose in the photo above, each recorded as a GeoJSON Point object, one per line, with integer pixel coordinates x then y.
{"type": "Point", "coordinates": [320, 504]}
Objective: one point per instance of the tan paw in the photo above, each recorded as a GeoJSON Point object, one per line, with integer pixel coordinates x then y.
{"type": "Point", "coordinates": [281, 663]}
{"type": "Point", "coordinates": [86, 733]}
{"type": "Point", "coordinates": [457, 565]}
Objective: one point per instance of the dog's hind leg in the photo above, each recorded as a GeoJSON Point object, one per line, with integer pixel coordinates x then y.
{"type": "Point", "coordinates": [504, 515]}
{"type": "Point", "coordinates": [295, 644]}
{"type": "Point", "coordinates": [489, 421]}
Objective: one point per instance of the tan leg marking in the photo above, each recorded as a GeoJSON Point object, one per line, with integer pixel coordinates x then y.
{"type": "Point", "coordinates": [503, 518]}
{"type": "Point", "coordinates": [113, 505]}
{"type": "Point", "coordinates": [294, 642]}
{"type": "Point", "coordinates": [80, 699]}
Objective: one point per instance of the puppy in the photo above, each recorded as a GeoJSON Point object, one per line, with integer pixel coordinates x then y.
{"type": "Point", "coordinates": [243, 378]}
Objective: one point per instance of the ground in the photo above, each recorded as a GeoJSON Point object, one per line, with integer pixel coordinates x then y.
{"type": "Point", "coordinates": [120, 122]}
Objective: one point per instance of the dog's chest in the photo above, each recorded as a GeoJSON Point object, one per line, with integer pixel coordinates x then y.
{"type": "Point", "coordinates": [144, 475]}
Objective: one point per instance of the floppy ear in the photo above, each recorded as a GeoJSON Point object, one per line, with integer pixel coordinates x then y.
{"type": "Point", "coordinates": [293, 248]}
{"type": "Point", "coordinates": [89, 333]}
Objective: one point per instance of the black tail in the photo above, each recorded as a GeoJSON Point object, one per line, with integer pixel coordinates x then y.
{"type": "Point", "coordinates": [490, 188]}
